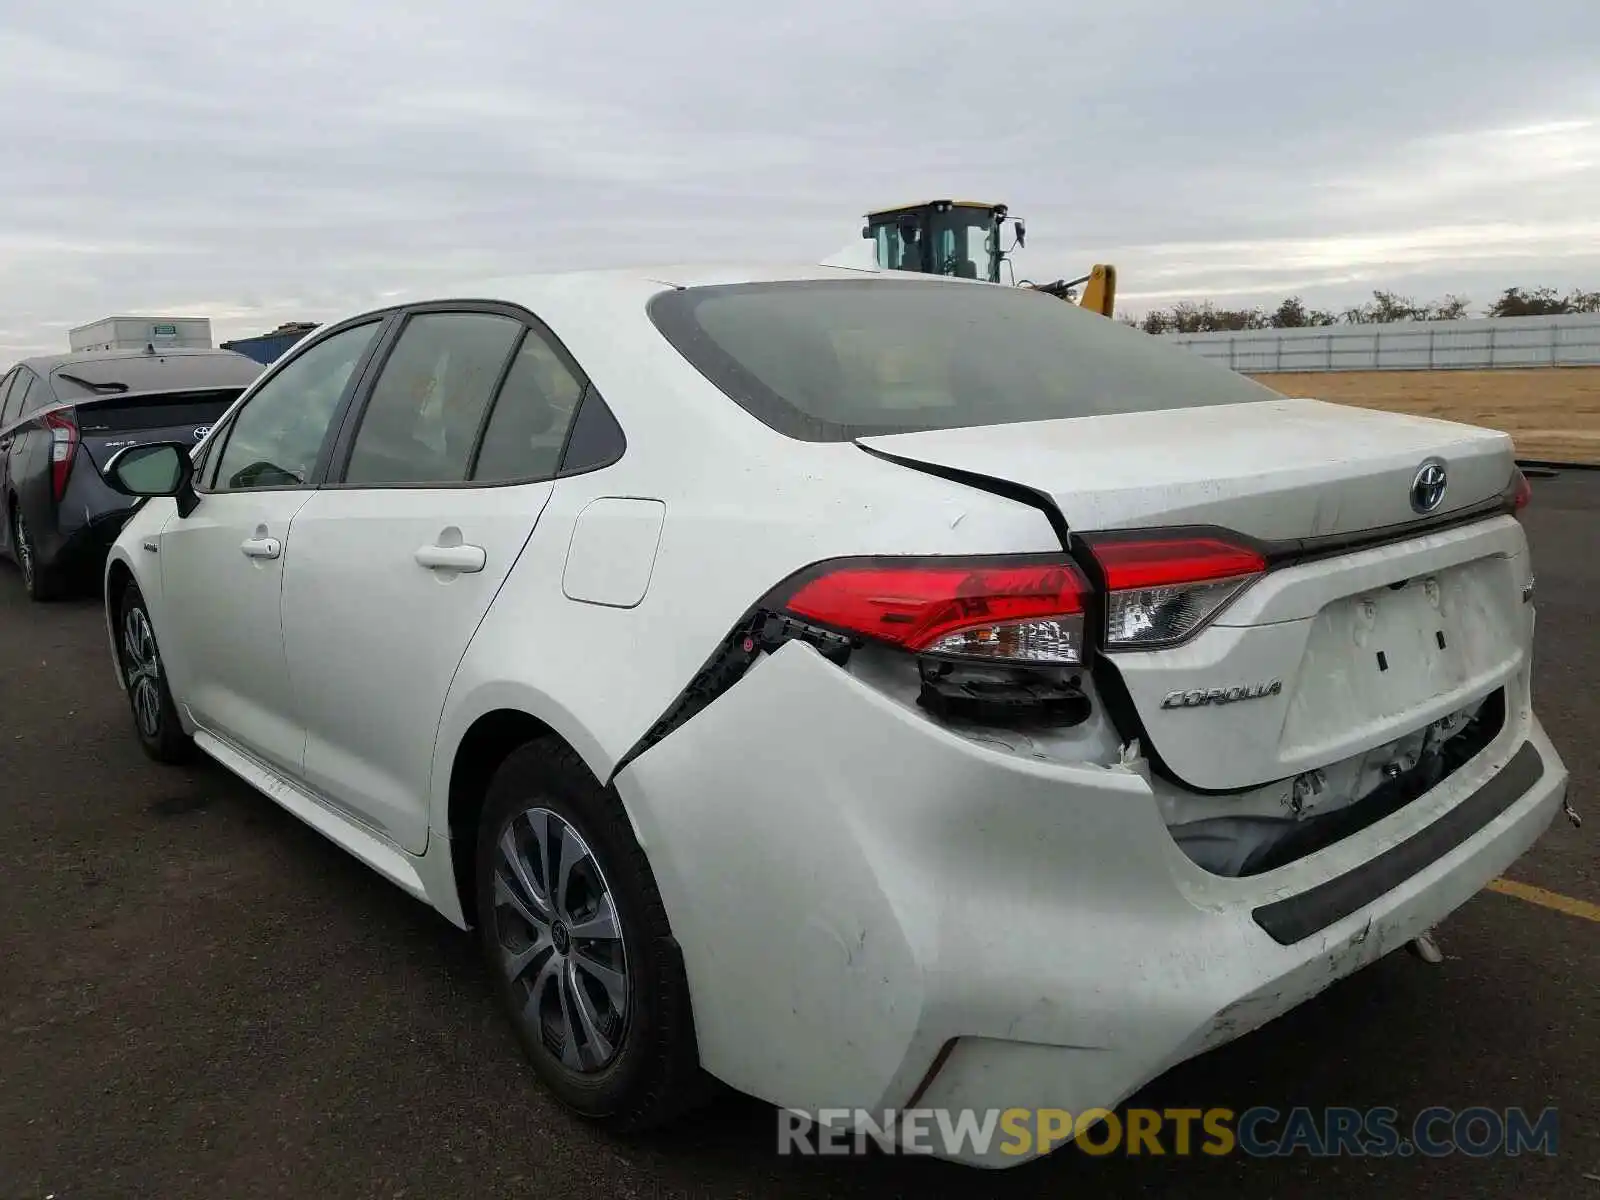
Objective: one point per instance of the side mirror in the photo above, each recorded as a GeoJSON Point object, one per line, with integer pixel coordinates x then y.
{"type": "Point", "coordinates": [866, 231]}
{"type": "Point", "coordinates": [156, 469]}
{"type": "Point", "coordinates": [1022, 232]}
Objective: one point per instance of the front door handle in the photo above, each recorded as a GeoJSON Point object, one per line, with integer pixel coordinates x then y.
{"type": "Point", "coordinates": [261, 547]}
{"type": "Point", "coordinates": [451, 558]}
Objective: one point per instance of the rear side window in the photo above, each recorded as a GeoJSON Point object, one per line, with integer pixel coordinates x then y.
{"type": "Point", "coordinates": [531, 415]}
{"type": "Point", "coordinates": [832, 360]}
{"type": "Point", "coordinates": [421, 423]}
{"type": "Point", "coordinates": [596, 439]}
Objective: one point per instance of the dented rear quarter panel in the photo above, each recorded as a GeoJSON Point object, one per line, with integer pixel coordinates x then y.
{"type": "Point", "coordinates": [881, 886]}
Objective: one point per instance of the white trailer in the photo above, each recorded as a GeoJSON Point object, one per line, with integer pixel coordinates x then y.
{"type": "Point", "coordinates": [135, 333]}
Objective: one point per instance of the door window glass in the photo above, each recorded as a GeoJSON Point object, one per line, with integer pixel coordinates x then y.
{"type": "Point", "coordinates": [8, 411]}
{"type": "Point", "coordinates": [24, 395]}
{"type": "Point", "coordinates": [278, 433]}
{"type": "Point", "coordinates": [531, 414]}
{"type": "Point", "coordinates": [422, 421]}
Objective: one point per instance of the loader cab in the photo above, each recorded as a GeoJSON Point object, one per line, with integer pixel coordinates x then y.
{"type": "Point", "coordinates": [941, 237]}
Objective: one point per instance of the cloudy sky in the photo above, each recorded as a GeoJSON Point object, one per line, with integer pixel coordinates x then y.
{"type": "Point", "coordinates": [297, 159]}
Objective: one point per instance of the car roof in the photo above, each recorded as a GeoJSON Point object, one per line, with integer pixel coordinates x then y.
{"type": "Point", "coordinates": [551, 291]}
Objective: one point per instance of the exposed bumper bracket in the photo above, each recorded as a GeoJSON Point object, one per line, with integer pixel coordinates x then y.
{"type": "Point", "coordinates": [1296, 918]}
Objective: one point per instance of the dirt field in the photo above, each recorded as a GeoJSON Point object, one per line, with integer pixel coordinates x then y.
{"type": "Point", "coordinates": [1553, 413]}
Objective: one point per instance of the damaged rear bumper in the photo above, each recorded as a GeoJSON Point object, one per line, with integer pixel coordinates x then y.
{"type": "Point", "coordinates": [876, 911]}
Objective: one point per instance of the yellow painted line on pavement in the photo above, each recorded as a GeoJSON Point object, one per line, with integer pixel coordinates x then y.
{"type": "Point", "coordinates": [1546, 899]}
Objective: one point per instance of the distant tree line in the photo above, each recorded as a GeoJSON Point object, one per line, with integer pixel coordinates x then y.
{"type": "Point", "coordinates": [1384, 308]}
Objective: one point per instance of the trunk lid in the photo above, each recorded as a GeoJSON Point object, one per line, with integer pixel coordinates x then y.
{"type": "Point", "coordinates": [112, 423]}
{"type": "Point", "coordinates": [1275, 470]}
{"type": "Point", "coordinates": [1319, 659]}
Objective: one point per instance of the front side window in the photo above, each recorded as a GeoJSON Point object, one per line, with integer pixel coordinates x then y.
{"type": "Point", "coordinates": [421, 422]}
{"type": "Point", "coordinates": [277, 436]}
{"type": "Point", "coordinates": [837, 359]}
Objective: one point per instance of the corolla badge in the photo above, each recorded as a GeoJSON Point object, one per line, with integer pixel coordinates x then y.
{"type": "Point", "coordinates": [1230, 695]}
{"type": "Point", "coordinates": [1428, 485]}
{"type": "Point", "coordinates": [199, 432]}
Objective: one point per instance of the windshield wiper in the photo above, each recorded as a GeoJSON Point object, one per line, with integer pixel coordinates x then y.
{"type": "Point", "coordinates": [102, 388]}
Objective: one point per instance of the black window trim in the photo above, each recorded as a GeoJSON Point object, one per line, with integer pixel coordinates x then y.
{"type": "Point", "coordinates": [216, 448]}
{"type": "Point", "coordinates": [355, 411]}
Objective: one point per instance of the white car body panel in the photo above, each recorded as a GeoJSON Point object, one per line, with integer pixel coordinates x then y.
{"type": "Point", "coordinates": [370, 688]}
{"type": "Point", "coordinates": [1260, 469]}
{"type": "Point", "coordinates": [228, 666]}
{"type": "Point", "coordinates": [874, 906]}
{"type": "Point", "coordinates": [1325, 660]}
{"type": "Point", "coordinates": [613, 551]}
{"type": "Point", "coordinates": [714, 560]}
{"type": "Point", "coordinates": [909, 887]}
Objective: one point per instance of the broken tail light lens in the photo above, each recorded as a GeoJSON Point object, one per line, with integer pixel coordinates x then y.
{"type": "Point", "coordinates": [1016, 610]}
{"type": "Point", "coordinates": [1521, 491]}
{"type": "Point", "coordinates": [1163, 590]}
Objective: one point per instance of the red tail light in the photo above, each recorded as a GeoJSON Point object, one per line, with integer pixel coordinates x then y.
{"type": "Point", "coordinates": [1163, 590]}
{"type": "Point", "coordinates": [63, 449]}
{"type": "Point", "coordinates": [1521, 491]}
{"type": "Point", "coordinates": [1019, 610]}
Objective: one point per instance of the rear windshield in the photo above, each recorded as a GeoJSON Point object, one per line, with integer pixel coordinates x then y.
{"type": "Point", "coordinates": [155, 412]}
{"type": "Point", "coordinates": [107, 373]}
{"type": "Point", "coordinates": [831, 360]}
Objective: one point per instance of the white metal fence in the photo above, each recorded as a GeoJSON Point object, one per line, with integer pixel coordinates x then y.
{"type": "Point", "coordinates": [1564, 341]}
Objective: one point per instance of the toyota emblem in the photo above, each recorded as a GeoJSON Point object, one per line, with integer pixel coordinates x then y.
{"type": "Point", "coordinates": [199, 432]}
{"type": "Point", "coordinates": [1428, 485]}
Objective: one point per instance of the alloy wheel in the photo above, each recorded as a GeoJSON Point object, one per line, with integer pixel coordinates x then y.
{"type": "Point", "coordinates": [141, 664]}
{"type": "Point", "coordinates": [561, 940]}
{"type": "Point", "coordinates": [24, 547]}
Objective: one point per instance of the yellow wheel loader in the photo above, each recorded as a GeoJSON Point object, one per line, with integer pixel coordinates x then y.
{"type": "Point", "coordinates": [966, 238]}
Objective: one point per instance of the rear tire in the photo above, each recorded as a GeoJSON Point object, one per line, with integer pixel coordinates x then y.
{"type": "Point", "coordinates": [588, 972]}
{"type": "Point", "coordinates": [155, 716]}
{"type": "Point", "coordinates": [38, 580]}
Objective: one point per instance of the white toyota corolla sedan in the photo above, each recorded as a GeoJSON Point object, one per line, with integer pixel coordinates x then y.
{"type": "Point", "coordinates": [868, 690]}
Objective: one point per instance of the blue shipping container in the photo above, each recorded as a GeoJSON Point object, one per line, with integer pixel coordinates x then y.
{"type": "Point", "coordinates": [267, 347]}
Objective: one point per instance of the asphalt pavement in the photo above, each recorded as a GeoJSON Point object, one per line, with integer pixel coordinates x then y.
{"type": "Point", "coordinates": [201, 997]}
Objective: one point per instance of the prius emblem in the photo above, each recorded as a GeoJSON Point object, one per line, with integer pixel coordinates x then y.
{"type": "Point", "coordinates": [1427, 487]}
{"type": "Point", "coordinates": [199, 432]}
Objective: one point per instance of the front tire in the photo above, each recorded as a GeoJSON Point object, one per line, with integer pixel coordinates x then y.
{"type": "Point", "coordinates": [576, 937]}
{"type": "Point", "coordinates": [155, 716]}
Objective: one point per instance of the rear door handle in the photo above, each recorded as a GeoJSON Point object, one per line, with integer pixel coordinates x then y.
{"type": "Point", "coordinates": [261, 547]}
{"type": "Point", "coordinates": [452, 558]}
